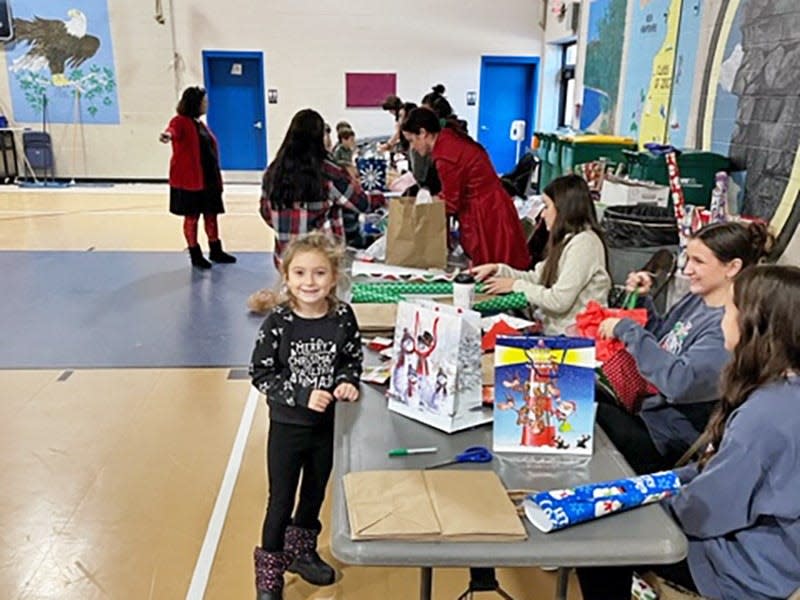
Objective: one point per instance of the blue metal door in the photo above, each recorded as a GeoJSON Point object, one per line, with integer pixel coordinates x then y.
{"type": "Point", "coordinates": [508, 93]}
{"type": "Point", "coordinates": [236, 111]}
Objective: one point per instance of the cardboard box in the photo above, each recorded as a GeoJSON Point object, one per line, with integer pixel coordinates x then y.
{"type": "Point", "coordinates": [628, 192]}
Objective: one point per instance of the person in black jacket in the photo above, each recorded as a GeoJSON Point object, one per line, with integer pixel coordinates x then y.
{"type": "Point", "coordinates": [307, 356]}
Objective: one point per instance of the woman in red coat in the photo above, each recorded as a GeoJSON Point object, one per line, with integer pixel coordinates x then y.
{"type": "Point", "coordinates": [195, 183]}
{"type": "Point", "coordinates": [490, 227]}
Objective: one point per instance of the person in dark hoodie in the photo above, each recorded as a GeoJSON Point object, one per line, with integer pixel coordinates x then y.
{"type": "Point", "coordinates": [739, 502]}
{"type": "Point", "coordinates": [682, 354]}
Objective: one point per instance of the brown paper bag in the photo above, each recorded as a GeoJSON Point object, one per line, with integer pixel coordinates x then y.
{"type": "Point", "coordinates": [473, 506]}
{"type": "Point", "coordinates": [417, 234]}
{"type": "Point", "coordinates": [449, 504]}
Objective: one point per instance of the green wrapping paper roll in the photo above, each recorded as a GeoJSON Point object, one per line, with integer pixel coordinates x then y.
{"type": "Point", "coordinates": [402, 288]}
{"type": "Point", "coordinates": [393, 292]}
{"type": "Point", "coordinates": [512, 301]}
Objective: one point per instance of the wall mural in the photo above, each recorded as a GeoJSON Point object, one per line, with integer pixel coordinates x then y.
{"type": "Point", "coordinates": [683, 100]}
{"type": "Point", "coordinates": [61, 63]}
{"type": "Point", "coordinates": [650, 69]}
{"type": "Point", "coordinates": [603, 65]}
{"type": "Point", "coordinates": [752, 111]}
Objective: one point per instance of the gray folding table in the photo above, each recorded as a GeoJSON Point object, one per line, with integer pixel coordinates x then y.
{"type": "Point", "coordinates": [366, 430]}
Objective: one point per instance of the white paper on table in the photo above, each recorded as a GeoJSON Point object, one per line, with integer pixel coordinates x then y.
{"type": "Point", "coordinates": [374, 269]}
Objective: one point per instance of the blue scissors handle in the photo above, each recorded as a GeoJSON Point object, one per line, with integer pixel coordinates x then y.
{"type": "Point", "coordinates": [473, 454]}
{"type": "Point", "coordinates": [479, 454]}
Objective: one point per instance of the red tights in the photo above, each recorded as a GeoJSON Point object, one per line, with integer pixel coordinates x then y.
{"type": "Point", "coordinates": [190, 226]}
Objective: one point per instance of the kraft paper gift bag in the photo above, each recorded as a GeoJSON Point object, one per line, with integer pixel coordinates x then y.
{"type": "Point", "coordinates": [389, 504]}
{"type": "Point", "coordinates": [445, 505]}
{"type": "Point", "coordinates": [417, 234]}
{"type": "Point", "coordinates": [473, 506]}
{"type": "Point", "coordinates": [375, 317]}
{"type": "Point", "coordinates": [436, 366]}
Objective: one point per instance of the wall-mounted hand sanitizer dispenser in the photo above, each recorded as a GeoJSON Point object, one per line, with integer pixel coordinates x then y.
{"type": "Point", "coordinates": [517, 132]}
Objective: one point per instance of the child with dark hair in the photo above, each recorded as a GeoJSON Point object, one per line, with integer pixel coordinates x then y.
{"type": "Point", "coordinates": [739, 502]}
{"type": "Point", "coordinates": [305, 190]}
{"type": "Point", "coordinates": [344, 151]}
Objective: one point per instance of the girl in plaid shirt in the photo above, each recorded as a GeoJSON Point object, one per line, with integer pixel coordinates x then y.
{"type": "Point", "coordinates": [305, 190]}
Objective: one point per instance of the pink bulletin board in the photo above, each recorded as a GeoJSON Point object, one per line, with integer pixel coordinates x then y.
{"type": "Point", "coordinates": [369, 89]}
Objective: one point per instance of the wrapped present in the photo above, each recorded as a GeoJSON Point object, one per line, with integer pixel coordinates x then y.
{"type": "Point", "coordinates": [557, 509]}
{"type": "Point", "coordinates": [372, 173]}
{"type": "Point", "coordinates": [719, 198]}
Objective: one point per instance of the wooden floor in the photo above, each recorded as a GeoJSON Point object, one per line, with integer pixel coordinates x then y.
{"type": "Point", "coordinates": [108, 478]}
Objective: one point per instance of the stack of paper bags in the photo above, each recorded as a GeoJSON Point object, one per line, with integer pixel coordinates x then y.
{"type": "Point", "coordinates": [426, 506]}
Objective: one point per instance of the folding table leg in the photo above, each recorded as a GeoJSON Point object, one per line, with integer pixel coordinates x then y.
{"type": "Point", "coordinates": [425, 583]}
{"type": "Point", "coordinates": [562, 583]}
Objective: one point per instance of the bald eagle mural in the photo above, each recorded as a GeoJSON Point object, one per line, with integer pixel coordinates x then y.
{"type": "Point", "coordinates": [62, 68]}
{"type": "Point", "coordinates": [54, 44]}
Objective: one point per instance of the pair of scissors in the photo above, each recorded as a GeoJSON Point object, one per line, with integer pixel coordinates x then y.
{"type": "Point", "coordinates": [473, 454]}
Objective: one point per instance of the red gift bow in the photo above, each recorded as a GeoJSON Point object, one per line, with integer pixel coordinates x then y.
{"type": "Point", "coordinates": [588, 322]}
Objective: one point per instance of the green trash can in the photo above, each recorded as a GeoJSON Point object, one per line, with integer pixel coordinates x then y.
{"type": "Point", "coordinates": [548, 154]}
{"type": "Point", "coordinates": [697, 168]}
{"type": "Point", "coordinates": [581, 149]}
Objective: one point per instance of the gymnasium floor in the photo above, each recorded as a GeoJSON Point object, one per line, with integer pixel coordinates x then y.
{"type": "Point", "coordinates": [126, 411]}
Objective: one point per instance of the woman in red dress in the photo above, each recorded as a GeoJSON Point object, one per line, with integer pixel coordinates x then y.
{"type": "Point", "coordinates": [490, 227]}
{"type": "Point", "coordinates": [195, 183]}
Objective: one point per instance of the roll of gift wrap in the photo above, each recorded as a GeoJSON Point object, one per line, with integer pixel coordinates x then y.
{"type": "Point", "coordinates": [557, 509]}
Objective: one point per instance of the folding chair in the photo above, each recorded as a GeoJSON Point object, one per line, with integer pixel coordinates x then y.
{"type": "Point", "coordinates": [38, 148]}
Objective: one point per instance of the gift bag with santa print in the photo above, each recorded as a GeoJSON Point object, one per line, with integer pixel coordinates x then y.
{"type": "Point", "coordinates": [544, 395]}
{"type": "Point", "coordinates": [436, 366]}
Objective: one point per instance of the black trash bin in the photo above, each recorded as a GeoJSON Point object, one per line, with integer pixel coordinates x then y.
{"type": "Point", "coordinates": [634, 234]}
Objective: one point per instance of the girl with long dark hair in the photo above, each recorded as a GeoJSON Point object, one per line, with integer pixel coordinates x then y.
{"type": "Point", "coordinates": [305, 190]}
{"type": "Point", "coordinates": [574, 270]}
{"type": "Point", "coordinates": [739, 502]}
{"type": "Point", "coordinates": [681, 354]}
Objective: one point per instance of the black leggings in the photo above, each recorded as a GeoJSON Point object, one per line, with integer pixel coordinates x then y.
{"type": "Point", "coordinates": [630, 436]}
{"type": "Point", "coordinates": [614, 583]}
{"type": "Point", "coordinates": [292, 449]}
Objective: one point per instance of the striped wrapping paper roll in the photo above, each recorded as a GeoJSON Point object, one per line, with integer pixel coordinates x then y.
{"type": "Point", "coordinates": [679, 206]}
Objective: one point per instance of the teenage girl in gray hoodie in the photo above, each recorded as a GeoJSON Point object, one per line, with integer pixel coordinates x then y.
{"type": "Point", "coordinates": [739, 502]}
{"type": "Point", "coordinates": [683, 353]}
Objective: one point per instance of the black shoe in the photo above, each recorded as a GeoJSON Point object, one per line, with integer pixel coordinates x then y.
{"type": "Point", "coordinates": [217, 255]}
{"type": "Point", "coordinates": [269, 595]}
{"type": "Point", "coordinates": [313, 569]}
{"type": "Point", "coordinates": [197, 258]}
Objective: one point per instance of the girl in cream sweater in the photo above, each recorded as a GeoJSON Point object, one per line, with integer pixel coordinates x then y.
{"type": "Point", "coordinates": [574, 270]}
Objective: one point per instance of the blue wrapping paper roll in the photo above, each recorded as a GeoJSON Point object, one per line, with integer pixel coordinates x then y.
{"type": "Point", "coordinates": [557, 509]}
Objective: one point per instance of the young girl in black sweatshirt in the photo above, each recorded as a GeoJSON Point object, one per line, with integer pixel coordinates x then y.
{"type": "Point", "coordinates": [307, 356]}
